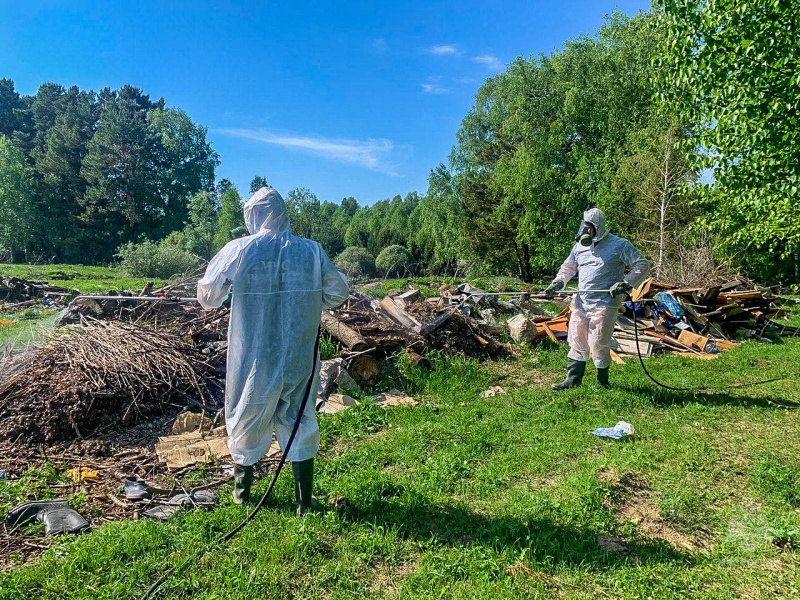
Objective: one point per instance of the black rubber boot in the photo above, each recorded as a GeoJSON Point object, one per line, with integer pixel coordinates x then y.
{"type": "Point", "coordinates": [303, 472]}
{"type": "Point", "coordinates": [242, 480]}
{"type": "Point", "coordinates": [575, 371]}
{"type": "Point", "coordinates": [602, 377]}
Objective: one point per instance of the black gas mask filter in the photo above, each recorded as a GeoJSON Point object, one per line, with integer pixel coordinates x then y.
{"type": "Point", "coordinates": [586, 236]}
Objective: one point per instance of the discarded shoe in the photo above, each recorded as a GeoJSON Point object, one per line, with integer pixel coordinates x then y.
{"type": "Point", "coordinates": [163, 512]}
{"type": "Point", "coordinates": [197, 498]}
{"type": "Point", "coordinates": [136, 489]}
{"type": "Point", "coordinates": [63, 520]}
{"type": "Point", "coordinates": [29, 511]}
{"type": "Point", "coordinates": [55, 514]}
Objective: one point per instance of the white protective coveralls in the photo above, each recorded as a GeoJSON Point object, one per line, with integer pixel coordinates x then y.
{"type": "Point", "coordinates": [281, 284]}
{"type": "Point", "coordinates": [599, 266]}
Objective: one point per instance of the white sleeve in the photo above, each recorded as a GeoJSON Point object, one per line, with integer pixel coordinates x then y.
{"type": "Point", "coordinates": [213, 288]}
{"type": "Point", "coordinates": [334, 284]}
{"type": "Point", "coordinates": [568, 269]}
{"type": "Point", "coordinates": [639, 266]}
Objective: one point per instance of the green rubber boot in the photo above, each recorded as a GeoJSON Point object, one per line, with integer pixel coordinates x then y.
{"type": "Point", "coordinates": [303, 472]}
{"type": "Point", "coordinates": [575, 371]}
{"type": "Point", "coordinates": [602, 377]}
{"type": "Point", "coordinates": [242, 480]}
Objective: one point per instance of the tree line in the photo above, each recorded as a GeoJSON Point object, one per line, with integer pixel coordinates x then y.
{"type": "Point", "coordinates": [687, 145]}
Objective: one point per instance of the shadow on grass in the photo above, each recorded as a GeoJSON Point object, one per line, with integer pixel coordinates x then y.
{"type": "Point", "coordinates": [561, 544]}
{"type": "Point", "coordinates": [663, 397]}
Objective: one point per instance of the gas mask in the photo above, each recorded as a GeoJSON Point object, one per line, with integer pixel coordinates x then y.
{"type": "Point", "coordinates": [586, 236]}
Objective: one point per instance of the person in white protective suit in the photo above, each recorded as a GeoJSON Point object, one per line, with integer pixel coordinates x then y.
{"type": "Point", "coordinates": [281, 283]}
{"type": "Point", "coordinates": [601, 261]}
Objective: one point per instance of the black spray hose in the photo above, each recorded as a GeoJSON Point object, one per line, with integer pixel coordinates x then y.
{"type": "Point", "coordinates": [224, 538]}
{"type": "Point", "coordinates": [695, 390]}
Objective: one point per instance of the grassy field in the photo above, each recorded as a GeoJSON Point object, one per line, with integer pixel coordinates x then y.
{"type": "Point", "coordinates": [501, 497]}
{"type": "Point", "coordinates": [89, 280]}
{"type": "Point", "coordinates": [34, 322]}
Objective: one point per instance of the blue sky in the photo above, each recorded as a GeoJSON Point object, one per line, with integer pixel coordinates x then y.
{"type": "Point", "coordinates": [346, 98]}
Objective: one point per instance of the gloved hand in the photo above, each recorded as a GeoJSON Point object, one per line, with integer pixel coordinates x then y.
{"type": "Point", "coordinates": [554, 287]}
{"type": "Point", "coordinates": [227, 302]}
{"type": "Point", "coordinates": [620, 288]}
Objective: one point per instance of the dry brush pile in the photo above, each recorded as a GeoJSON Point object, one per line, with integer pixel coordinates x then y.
{"type": "Point", "coordinates": [97, 376]}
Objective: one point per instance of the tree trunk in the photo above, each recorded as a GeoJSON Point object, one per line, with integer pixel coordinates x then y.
{"type": "Point", "coordinates": [525, 272]}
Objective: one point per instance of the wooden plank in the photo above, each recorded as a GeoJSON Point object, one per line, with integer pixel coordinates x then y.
{"type": "Point", "coordinates": [697, 342]}
{"type": "Point", "coordinates": [434, 323]}
{"type": "Point", "coordinates": [642, 291]}
{"type": "Point", "coordinates": [725, 344]}
{"type": "Point", "coordinates": [703, 355]}
{"type": "Point", "coordinates": [400, 316]}
{"type": "Point", "coordinates": [617, 358]}
{"type": "Point", "coordinates": [549, 332]}
{"type": "Point", "coordinates": [629, 347]}
{"type": "Point", "coordinates": [407, 298]}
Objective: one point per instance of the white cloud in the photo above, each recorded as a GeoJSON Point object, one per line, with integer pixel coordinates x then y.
{"type": "Point", "coordinates": [374, 154]}
{"type": "Point", "coordinates": [445, 50]}
{"type": "Point", "coordinates": [434, 88]}
{"type": "Point", "coordinates": [494, 63]}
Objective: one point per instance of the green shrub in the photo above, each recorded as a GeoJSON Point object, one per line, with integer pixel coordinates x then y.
{"type": "Point", "coordinates": [159, 260]}
{"type": "Point", "coordinates": [395, 261]}
{"type": "Point", "coordinates": [356, 262]}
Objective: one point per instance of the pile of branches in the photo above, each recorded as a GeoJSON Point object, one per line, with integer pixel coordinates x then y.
{"type": "Point", "coordinates": [97, 376]}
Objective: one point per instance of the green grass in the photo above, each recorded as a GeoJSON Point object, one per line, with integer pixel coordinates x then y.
{"type": "Point", "coordinates": [89, 280]}
{"type": "Point", "coordinates": [502, 497]}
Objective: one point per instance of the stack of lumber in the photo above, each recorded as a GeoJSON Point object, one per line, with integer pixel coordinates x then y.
{"type": "Point", "coordinates": [699, 322]}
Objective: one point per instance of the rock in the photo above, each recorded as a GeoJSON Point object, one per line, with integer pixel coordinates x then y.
{"type": "Point", "coordinates": [333, 374]}
{"type": "Point", "coordinates": [344, 381]}
{"type": "Point", "coordinates": [521, 328]}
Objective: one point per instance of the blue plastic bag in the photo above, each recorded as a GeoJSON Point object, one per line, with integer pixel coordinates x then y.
{"type": "Point", "coordinates": [666, 302]}
{"type": "Point", "coordinates": [617, 432]}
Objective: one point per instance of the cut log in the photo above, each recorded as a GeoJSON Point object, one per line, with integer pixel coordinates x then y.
{"type": "Point", "coordinates": [417, 360]}
{"type": "Point", "coordinates": [364, 369]}
{"type": "Point", "coordinates": [347, 335]}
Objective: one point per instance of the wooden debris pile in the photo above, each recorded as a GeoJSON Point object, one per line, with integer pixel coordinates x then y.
{"type": "Point", "coordinates": [101, 375]}
{"type": "Point", "coordinates": [16, 293]}
{"type": "Point", "coordinates": [370, 330]}
{"type": "Point", "coordinates": [698, 322]}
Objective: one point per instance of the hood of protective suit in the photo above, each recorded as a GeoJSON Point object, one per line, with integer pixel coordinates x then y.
{"type": "Point", "coordinates": [596, 217]}
{"type": "Point", "coordinates": [266, 211]}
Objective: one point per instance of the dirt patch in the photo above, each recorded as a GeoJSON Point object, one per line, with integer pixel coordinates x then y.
{"type": "Point", "coordinates": [512, 375]}
{"type": "Point", "coordinates": [631, 500]}
{"type": "Point", "coordinates": [386, 576]}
